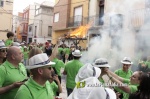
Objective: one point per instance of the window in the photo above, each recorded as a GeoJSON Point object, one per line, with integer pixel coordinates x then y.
{"type": "Point", "coordinates": [1, 3]}
{"type": "Point", "coordinates": [101, 12]}
{"type": "Point", "coordinates": [77, 16]}
{"type": "Point", "coordinates": [147, 3]}
{"type": "Point", "coordinates": [37, 12]}
{"type": "Point", "coordinates": [56, 17]}
{"type": "Point", "coordinates": [49, 30]}
{"type": "Point", "coordinates": [30, 28]}
{"type": "Point", "coordinates": [35, 31]}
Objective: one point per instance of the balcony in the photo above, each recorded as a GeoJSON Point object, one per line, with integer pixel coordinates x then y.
{"type": "Point", "coordinates": [75, 21]}
{"type": "Point", "coordinates": [139, 17]}
{"type": "Point", "coordinates": [79, 20]}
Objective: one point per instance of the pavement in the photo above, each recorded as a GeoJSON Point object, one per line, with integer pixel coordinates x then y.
{"type": "Point", "coordinates": [63, 95]}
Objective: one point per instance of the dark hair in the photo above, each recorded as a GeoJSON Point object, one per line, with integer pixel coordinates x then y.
{"type": "Point", "coordinates": [143, 89]}
{"type": "Point", "coordinates": [74, 57]}
{"type": "Point", "coordinates": [9, 34]}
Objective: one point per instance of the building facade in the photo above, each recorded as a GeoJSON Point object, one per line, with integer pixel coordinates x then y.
{"type": "Point", "coordinates": [68, 16]}
{"type": "Point", "coordinates": [6, 17]}
{"type": "Point", "coordinates": [42, 25]}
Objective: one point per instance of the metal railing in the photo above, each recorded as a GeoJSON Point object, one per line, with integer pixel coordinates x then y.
{"type": "Point", "coordinates": [138, 18]}
{"type": "Point", "coordinates": [80, 20]}
{"type": "Point", "coordinates": [75, 21]}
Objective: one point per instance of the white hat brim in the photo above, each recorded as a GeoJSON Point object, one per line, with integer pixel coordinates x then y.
{"type": "Point", "coordinates": [3, 47]}
{"type": "Point", "coordinates": [111, 93]}
{"type": "Point", "coordinates": [101, 65]}
{"type": "Point", "coordinates": [126, 62]}
{"type": "Point", "coordinates": [37, 66]}
{"type": "Point", "coordinates": [77, 55]}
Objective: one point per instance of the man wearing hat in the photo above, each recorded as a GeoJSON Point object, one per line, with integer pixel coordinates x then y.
{"type": "Point", "coordinates": [3, 52]}
{"type": "Point", "coordinates": [102, 63]}
{"type": "Point", "coordinates": [37, 86]}
{"type": "Point", "coordinates": [124, 72]}
{"type": "Point", "coordinates": [12, 72]}
{"type": "Point", "coordinates": [71, 70]}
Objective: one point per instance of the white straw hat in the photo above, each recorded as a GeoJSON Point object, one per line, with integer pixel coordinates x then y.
{"type": "Point", "coordinates": [87, 71]}
{"type": "Point", "coordinates": [101, 62]}
{"type": "Point", "coordinates": [126, 60]}
{"type": "Point", "coordinates": [2, 44]}
{"type": "Point", "coordinates": [39, 60]}
{"type": "Point", "coordinates": [89, 91]}
{"type": "Point", "coordinates": [77, 53]}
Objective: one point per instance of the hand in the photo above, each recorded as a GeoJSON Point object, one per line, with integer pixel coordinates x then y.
{"type": "Point", "coordinates": [117, 95]}
{"type": "Point", "coordinates": [17, 84]}
{"type": "Point", "coordinates": [56, 78]}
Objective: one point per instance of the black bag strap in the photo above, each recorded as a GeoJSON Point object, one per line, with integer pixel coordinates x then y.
{"type": "Point", "coordinates": [29, 91]}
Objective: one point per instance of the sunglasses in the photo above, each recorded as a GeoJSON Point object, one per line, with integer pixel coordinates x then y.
{"type": "Point", "coordinates": [3, 51]}
{"type": "Point", "coordinates": [50, 68]}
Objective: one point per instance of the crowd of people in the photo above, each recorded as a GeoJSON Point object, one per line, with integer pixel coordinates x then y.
{"type": "Point", "coordinates": [33, 71]}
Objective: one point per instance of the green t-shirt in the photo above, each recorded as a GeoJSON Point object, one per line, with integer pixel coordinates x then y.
{"type": "Point", "coordinates": [10, 74]}
{"type": "Point", "coordinates": [58, 65]}
{"type": "Point", "coordinates": [32, 90]}
{"type": "Point", "coordinates": [123, 74]}
{"type": "Point", "coordinates": [72, 68]}
{"type": "Point", "coordinates": [101, 80]}
{"type": "Point", "coordinates": [8, 42]}
{"type": "Point", "coordinates": [54, 87]}
{"type": "Point", "coordinates": [147, 63]}
{"type": "Point", "coordinates": [25, 55]}
{"type": "Point", "coordinates": [133, 88]}
{"type": "Point", "coordinates": [60, 49]}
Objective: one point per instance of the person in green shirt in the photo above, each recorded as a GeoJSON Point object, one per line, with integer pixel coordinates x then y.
{"type": "Point", "coordinates": [125, 71]}
{"type": "Point", "coordinates": [128, 86]}
{"type": "Point", "coordinates": [55, 87]}
{"type": "Point", "coordinates": [101, 63]}
{"type": "Point", "coordinates": [57, 67]}
{"type": "Point", "coordinates": [25, 54]}
{"type": "Point", "coordinates": [37, 86]}
{"type": "Point", "coordinates": [12, 73]}
{"type": "Point", "coordinates": [71, 70]}
{"type": "Point", "coordinates": [3, 52]}
{"type": "Point", "coordinates": [10, 37]}
{"type": "Point", "coordinates": [143, 89]}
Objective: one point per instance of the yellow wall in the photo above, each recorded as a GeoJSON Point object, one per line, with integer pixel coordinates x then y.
{"type": "Point", "coordinates": [6, 19]}
{"type": "Point", "coordinates": [3, 35]}
{"type": "Point", "coordinates": [58, 34]}
{"type": "Point", "coordinates": [76, 3]}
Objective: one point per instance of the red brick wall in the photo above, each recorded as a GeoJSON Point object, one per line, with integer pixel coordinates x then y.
{"type": "Point", "coordinates": [63, 8]}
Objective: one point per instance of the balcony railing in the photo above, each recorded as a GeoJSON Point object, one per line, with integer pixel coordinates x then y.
{"type": "Point", "coordinates": [139, 17]}
{"type": "Point", "coordinates": [79, 20]}
{"type": "Point", "coordinates": [97, 20]}
{"type": "Point", "coordinates": [75, 21]}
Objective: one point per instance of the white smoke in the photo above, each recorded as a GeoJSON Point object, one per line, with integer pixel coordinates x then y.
{"type": "Point", "coordinates": [127, 40]}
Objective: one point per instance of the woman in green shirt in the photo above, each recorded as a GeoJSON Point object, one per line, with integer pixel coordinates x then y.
{"type": "Point", "coordinates": [143, 91]}
{"type": "Point", "coordinates": [131, 84]}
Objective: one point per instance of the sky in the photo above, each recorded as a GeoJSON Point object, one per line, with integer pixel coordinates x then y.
{"type": "Point", "coordinates": [19, 5]}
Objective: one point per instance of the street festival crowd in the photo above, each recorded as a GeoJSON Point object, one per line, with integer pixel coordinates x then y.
{"type": "Point", "coordinates": [33, 71]}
